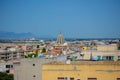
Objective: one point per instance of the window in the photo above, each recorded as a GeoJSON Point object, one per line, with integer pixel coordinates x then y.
{"type": "Point", "coordinates": [11, 66]}
{"type": "Point", "coordinates": [7, 71]}
{"type": "Point", "coordinates": [71, 78]}
{"type": "Point", "coordinates": [111, 58]}
{"type": "Point", "coordinates": [119, 58]}
{"type": "Point", "coordinates": [2, 57]}
{"type": "Point", "coordinates": [65, 78]}
{"type": "Point", "coordinates": [118, 78]}
{"type": "Point", "coordinates": [38, 46]}
{"type": "Point", "coordinates": [104, 58]}
{"type": "Point", "coordinates": [34, 76]}
{"type": "Point", "coordinates": [7, 66]}
{"type": "Point", "coordinates": [60, 78]}
{"type": "Point", "coordinates": [92, 78]}
{"type": "Point", "coordinates": [33, 64]}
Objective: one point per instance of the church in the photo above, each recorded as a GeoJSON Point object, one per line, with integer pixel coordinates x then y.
{"type": "Point", "coordinates": [59, 45]}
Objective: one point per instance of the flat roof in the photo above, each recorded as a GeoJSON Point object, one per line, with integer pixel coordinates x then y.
{"type": "Point", "coordinates": [86, 63]}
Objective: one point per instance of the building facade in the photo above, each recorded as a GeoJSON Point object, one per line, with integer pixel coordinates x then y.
{"type": "Point", "coordinates": [11, 55]}
{"type": "Point", "coordinates": [102, 55]}
{"type": "Point", "coordinates": [49, 69]}
{"type": "Point", "coordinates": [30, 69]}
{"type": "Point", "coordinates": [6, 67]}
{"type": "Point", "coordinates": [81, 71]}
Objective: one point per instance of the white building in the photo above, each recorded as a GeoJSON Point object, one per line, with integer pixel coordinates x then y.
{"type": "Point", "coordinates": [30, 69]}
{"type": "Point", "coordinates": [6, 66]}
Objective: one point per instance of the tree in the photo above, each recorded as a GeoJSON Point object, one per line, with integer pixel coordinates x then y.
{"type": "Point", "coordinates": [31, 55]}
{"type": "Point", "coordinates": [6, 76]}
{"type": "Point", "coordinates": [43, 50]}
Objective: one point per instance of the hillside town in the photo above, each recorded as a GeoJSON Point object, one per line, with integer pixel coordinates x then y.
{"type": "Point", "coordinates": [61, 60]}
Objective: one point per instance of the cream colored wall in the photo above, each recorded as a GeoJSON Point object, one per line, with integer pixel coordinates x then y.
{"type": "Point", "coordinates": [88, 53]}
{"type": "Point", "coordinates": [112, 47]}
{"type": "Point", "coordinates": [52, 72]}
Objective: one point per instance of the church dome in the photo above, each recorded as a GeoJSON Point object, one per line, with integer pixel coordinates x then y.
{"type": "Point", "coordinates": [60, 39]}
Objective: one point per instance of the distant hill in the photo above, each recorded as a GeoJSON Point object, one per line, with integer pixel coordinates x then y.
{"type": "Point", "coordinates": [12, 35]}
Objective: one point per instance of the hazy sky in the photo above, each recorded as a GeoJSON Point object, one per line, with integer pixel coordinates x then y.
{"type": "Point", "coordinates": [74, 18]}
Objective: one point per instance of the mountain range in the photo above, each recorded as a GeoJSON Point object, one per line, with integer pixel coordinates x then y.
{"type": "Point", "coordinates": [13, 35]}
{"type": "Point", "coordinates": [28, 35]}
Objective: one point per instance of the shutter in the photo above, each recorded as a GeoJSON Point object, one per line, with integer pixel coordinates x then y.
{"type": "Point", "coordinates": [112, 57]}
{"type": "Point", "coordinates": [99, 57]}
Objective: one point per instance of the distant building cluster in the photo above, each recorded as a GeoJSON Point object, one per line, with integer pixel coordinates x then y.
{"type": "Point", "coordinates": [61, 60]}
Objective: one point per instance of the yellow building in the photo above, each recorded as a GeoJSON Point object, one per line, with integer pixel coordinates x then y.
{"type": "Point", "coordinates": [86, 70]}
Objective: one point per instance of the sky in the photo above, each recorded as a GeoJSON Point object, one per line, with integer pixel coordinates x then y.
{"type": "Point", "coordinates": [73, 18]}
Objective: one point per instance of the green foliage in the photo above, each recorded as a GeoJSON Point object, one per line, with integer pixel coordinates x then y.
{"type": "Point", "coordinates": [35, 55]}
{"type": "Point", "coordinates": [118, 48]}
{"type": "Point", "coordinates": [43, 50]}
{"type": "Point", "coordinates": [30, 55]}
{"type": "Point", "coordinates": [74, 58]}
{"type": "Point", "coordinates": [5, 76]}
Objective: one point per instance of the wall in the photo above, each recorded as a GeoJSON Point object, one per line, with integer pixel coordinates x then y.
{"type": "Point", "coordinates": [112, 47]}
{"type": "Point", "coordinates": [29, 69]}
{"type": "Point", "coordinates": [82, 71]}
{"type": "Point", "coordinates": [88, 53]}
